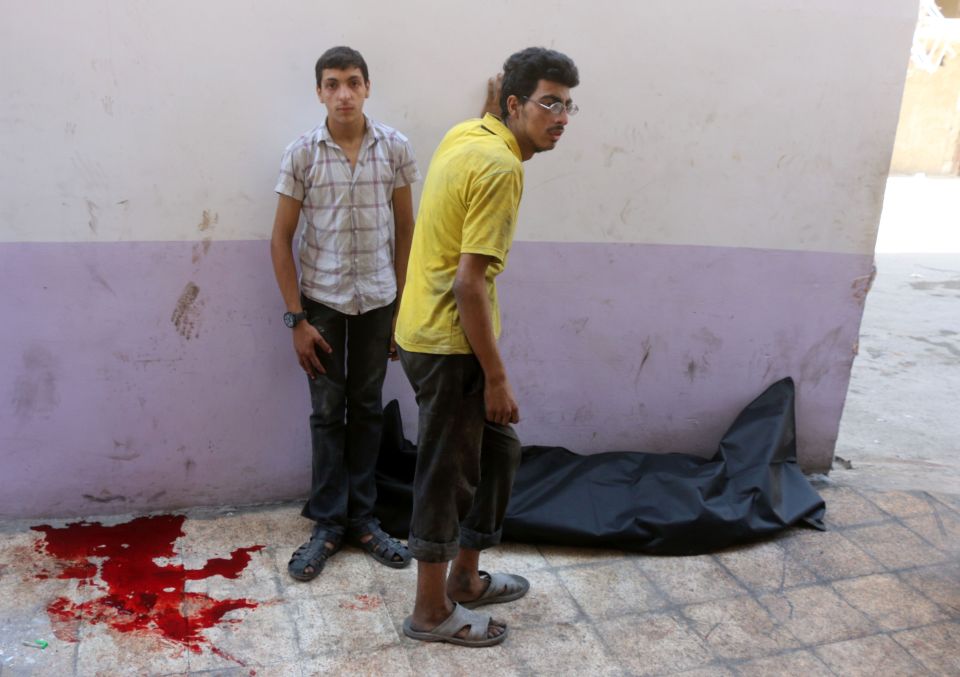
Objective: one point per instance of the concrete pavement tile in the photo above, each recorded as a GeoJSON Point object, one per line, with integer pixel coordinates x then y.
{"type": "Point", "coordinates": [817, 614]}
{"type": "Point", "coordinates": [890, 603]}
{"type": "Point", "coordinates": [688, 580]}
{"type": "Point", "coordinates": [279, 670]}
{"type": "Point", "coordinates": [901, 503]}
{"type": "Point", "coordinates": [874, 656]}
{"type": "Point", "coordinates": [28, 579]}
{"type": "Point", "coordinates": [346, 623]}
{"type": "Point", "coordinates": [941, 527]}
{"type": "Point", "coordinates": [436, 658]}
{"type": "Point", "coordinates": [847, 507]}
{"type": "Point", "coordinates": [17, 552]}
{"type": "Point", "coordinates": [512, 558]}
{"type": "Point", "coordinates": [653, 644]}
{"type": "Point", "coordinates": [398, 589]}
{"type": "Point", "coordinates": [249, 638]}
{"type": "Point", "coordinates": [548, 601]}
{"type": "Point", "coordinates": [765, 567]}
{"type": "Point", "coordinates": [708, 671]}
{"type": "Point", "coordinates": [23, 595]}
{"type": "Point", "coordinates": [241, 528]}
{"type": "Point", "coordinates": [830, 555]}
{"type": "Point", "coordinates": [937, 647]}
{"type": "Point", "coordinates": [257, 581]}
{"type": "Point", "coordinates": [561, 555]}
{"type": "Point", "coordinates": [940, 584]}
{"type": "Point", "coordinates": [562, 648]}
{"type": "Point", "coordinates": [802, 662]}
{"type": "Point", "coordinates": [387, 660]}
{"type": "Point", "coordinates": [896, 547]}
{"type": "Point", "coordinates": [611, 589]}
{"type": "Point", "coordinates": [739, 628]}
{"type": "Point", "coordinates": [950, 500]}
{"type": "Point", "coordinates": [18, 660]}
{"type": "Point", "coordinates": [105, 652]}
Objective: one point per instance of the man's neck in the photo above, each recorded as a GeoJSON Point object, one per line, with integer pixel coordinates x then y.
{"type": "Point", "coordinates": [350, 134]}
{"type": "Point", "coordinates": [526, 150]}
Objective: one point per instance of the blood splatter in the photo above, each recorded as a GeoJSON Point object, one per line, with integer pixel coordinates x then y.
{"type": "Point", "coordinates": [144, 594]}
{"type": "Point", "coordinates": [362, 603]}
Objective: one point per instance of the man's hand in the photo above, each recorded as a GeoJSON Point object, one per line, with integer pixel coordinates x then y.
{"type": "Point", "coordinates": [492, 104]}
{"type": "Point", "coordinates": [500, 403]}
{"type": "Point", "coordinates": [306, 341]}
{"type": "Point", "coordinates": [392, 352]}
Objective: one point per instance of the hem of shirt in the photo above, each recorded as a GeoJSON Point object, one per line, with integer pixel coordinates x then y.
{"type": "Point", "coordinates": [402, 183]}
{"type": "Point", "coordinates": [339, 306]}
{"type": "Point", "coordinates": [499, 254]}
{"type": "Point", "coordinates": [413, 347]}
{"type": "Point", "coordinates": [291, 195]}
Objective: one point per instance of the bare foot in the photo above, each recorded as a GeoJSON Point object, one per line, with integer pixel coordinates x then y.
{"type": "Point", "coordinates": [466, 587]}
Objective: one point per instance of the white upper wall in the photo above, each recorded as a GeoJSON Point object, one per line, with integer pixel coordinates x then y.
{"type": "Point", "coordinates": [754, 123]}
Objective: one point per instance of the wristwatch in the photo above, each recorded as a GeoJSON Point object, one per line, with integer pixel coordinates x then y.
{"type": "Point", "coordinates": [292, 319]}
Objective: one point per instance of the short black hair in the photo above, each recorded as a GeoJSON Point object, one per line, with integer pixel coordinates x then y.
{"type": "Point", "coordinates": [341, 58]}
{"type": "Point", "coordinates": [523, 70]}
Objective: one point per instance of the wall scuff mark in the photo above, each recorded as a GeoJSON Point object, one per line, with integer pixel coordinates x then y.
{"type": "Point", "coordinates": [186, 314]}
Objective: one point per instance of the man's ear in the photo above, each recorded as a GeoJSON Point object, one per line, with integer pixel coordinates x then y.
{"type": "Point", "coordinates": [367, 83]}
{"type": "Point", "coordinates": [513, 104]}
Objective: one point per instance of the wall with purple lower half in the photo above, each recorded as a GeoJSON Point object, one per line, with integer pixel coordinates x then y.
{"type": "Point", "coordinates": [153, 375]}
{"type": "Point", "coordinates": [704, 227]}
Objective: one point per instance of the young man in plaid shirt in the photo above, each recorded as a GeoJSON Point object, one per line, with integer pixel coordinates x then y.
{"type": "Point", "coordinates": [350, 179]}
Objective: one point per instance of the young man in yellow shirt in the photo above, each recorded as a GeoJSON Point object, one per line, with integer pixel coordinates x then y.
{"type": "Point", "coordinates": [447, 328]}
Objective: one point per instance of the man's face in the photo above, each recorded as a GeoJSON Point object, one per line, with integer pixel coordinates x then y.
{"type": "Point", "coordinates": [539, 129]}
{"type": "Point", "coordinates": [343, 93]}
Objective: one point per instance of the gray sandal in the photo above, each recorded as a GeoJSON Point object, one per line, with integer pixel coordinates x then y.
{"type": "Point", "coordinates": [313, 554]}
{"type": "Point", "coordinates": [502, 588]}
{"type": "Point", "coordinates": [461, 617]}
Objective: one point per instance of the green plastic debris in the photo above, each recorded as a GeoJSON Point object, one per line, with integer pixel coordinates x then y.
{"type": "Point", "coordinates": [36, 643]}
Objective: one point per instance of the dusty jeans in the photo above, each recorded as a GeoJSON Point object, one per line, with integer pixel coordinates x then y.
{"type": "Point", "coordinates": [465, 464]}
{"type": "Point", "coordinates": [347, 417]}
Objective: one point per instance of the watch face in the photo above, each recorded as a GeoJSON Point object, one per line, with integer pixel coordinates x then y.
{"type": "Point", "coordinates": [290, 320]}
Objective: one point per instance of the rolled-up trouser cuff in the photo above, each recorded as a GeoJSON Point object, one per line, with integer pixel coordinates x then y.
{"type": "Point", "coordinates": [331, 528]}
{"type": "Point", "coordinates": [427, 551]}
{"type": "Point", "coordinates": [474, 540]}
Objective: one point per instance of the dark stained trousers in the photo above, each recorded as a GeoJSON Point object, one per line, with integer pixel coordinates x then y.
{"type": "Point", "coordinates": [465, 464]}
{"type": "Point", "coordinates": [347, 415]}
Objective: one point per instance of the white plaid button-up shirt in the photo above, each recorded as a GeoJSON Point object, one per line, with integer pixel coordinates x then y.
{"type": "Point", "coordinates": [347, 241]}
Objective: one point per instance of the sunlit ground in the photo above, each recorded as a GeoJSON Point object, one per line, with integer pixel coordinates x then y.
{"type": "Point", "coordinates": [920, 214]}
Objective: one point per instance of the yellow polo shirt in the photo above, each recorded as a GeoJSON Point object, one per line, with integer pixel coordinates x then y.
{"type": "Point", "coordinates": [469, 206]}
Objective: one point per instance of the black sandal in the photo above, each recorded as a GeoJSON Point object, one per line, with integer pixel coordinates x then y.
{"type": "Point", "coordinates": [313, 554]}
{"type": "Point", "coordinates": [382, 546]}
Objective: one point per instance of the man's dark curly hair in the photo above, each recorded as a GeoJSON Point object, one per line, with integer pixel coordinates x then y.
{"type": "Point", "coordinates": [341, 58]}
{"type": "Point", "coordinates": [523, 70]}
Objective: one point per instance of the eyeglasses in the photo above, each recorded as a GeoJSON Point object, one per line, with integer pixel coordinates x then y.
{"type": "Point", "coordinates": [557, 107]}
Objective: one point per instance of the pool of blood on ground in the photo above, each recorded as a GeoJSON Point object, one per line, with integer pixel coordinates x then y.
{"type": "Point", "coordinates": [141, 595]}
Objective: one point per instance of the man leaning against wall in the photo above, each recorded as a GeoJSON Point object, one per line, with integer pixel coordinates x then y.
{"type": "Point", "coordinates": [350, 179]}
{"type": "Point", "coordinates": [447, 330]}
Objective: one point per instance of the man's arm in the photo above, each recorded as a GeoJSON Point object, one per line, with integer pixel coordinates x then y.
{"type": "Point", "coordinates": [403, 236]}
{"type": "Point", "coordinates": [306, 339]}
{"type": "Point", "coordinates": [470, 291]}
